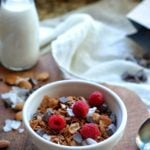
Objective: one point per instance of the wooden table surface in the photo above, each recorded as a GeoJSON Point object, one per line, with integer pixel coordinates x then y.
{"type": "Point", "coordinates": [137, 112]}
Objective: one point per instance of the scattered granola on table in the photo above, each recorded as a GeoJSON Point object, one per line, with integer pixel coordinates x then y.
{"type": "Point", "coordinates": [74, 121]}
{"type": "Point", "coordinates": [20, 88]}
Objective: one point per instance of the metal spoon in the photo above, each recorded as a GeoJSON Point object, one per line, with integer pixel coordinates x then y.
{"type": "Point", "coordinates": [143, 136]}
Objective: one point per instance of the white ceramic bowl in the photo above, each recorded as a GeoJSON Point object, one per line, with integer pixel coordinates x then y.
{"type": "Point", "coordinates": [76, 88]}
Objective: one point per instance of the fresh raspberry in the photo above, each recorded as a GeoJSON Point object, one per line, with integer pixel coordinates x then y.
{"type": "Point", "coordinates": [80, 109]}
{"type": "Point", "coordinates": [89, 130]}
{"type": "Point", "coordinates": [96, 99]}
{"type": "Point", "coordinates": [56, 122]}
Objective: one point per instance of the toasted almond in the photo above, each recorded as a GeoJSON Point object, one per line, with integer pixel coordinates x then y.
{"type": "Point", "coordinates": [11, 79]}
{"type": "Point", "coordinates": [25, 84]}
{"type": "Point", "coordinates": [74, 127]}
{"type": "Point", "coordinates": [18, 115]}
{"type": "Point", "coordinates": [42, 76]}
{"type": "Point", "coordinates": [19, 106]}
{"type": "Point", "coordinates": [4, 143]}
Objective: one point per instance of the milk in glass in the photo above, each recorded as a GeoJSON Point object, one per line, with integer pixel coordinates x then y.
{"type": "Point", "coordinates": [19, 34]}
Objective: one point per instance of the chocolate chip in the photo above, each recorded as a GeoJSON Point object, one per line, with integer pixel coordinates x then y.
{"type": "Point", "coordinates": [77, 137]}
{"type": "Point", "coordinates": [111, 129]}
{"type": "Point", "coordinates": [103, 108]}
{"type": "Point", "coordinates": [128, 77]}
{"type": "Point", "coordinates": [139, 76]}
{"type": "Point", "coordinates": [47, 114]}
{"type": "Point", "coordinates": [89, 119]}
{"type": "Point", "coordinates": [33, 81]}
{"type": "Point", "coordinates": [113, 118]}
{"type": "Point", "coordinates": [35, 115]}
{"type": "Point", "coordinates": [31, 91]}
{"type": "Point", "coordinates": [146, 55]}
{"type": "Point", "coordinates": [40, 132]}
{"type": "Point", "coordinates": [131, 58]}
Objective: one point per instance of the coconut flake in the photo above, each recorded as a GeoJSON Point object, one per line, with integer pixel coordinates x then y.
{"type": "Point", "coordinates": [14, 96]}
{"type": "Point", "coordinates": [20, 130]}
{"type": "Point", "coordinates": [90, 141]}
{"type": "Point", "coordinates": [11, 124]}
{"type": "Point", "coordinates": [47, 137]}
{"type": "Point", "coordinates": [70, 112]}
{"type": "Point", "coordinates": [15, 124]}
{"type": "Point", "coordinates": [20, 91]}
{"type": "Point", "coordinates": [7, 126]}
{"type": "Point", "coordinates": [91, 111]}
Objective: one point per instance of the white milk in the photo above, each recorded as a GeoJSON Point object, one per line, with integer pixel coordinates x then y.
{"type": "Point", "coordinates": [19, 34]}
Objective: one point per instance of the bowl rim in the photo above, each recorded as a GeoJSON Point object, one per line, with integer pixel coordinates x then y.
{"type": "Point", "coordinates": [106, 141]}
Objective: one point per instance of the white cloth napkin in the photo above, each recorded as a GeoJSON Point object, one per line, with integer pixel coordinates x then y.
{"type": "Point", "coordinates": [88, 49]}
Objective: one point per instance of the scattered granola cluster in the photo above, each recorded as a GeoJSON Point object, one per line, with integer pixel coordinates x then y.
{"type": "Point", "coordinates": [21, 88]}
{"type": "Point", "coordinates": [74, 121]}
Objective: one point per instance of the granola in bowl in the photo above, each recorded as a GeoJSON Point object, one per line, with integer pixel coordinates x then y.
{"type": "Point", "coordinates": [74, 120]}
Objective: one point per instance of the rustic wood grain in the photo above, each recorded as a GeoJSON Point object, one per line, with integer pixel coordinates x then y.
{"type": "Point", "coordinates": [136, 110]}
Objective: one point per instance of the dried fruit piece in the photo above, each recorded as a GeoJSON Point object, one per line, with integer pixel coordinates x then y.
{"type": "Point", "coordinates": [80, 109]}
{"type": "Point", "coordinates": [96, 99]}
{"type": "Point", "coordinates": [56, 122]}
{"type": "Point", "coordinates": [90, 130]}
{"type": "Point", "coordinates": [4, 143]}
{"type": "Point", "coordinates": [42, 76]}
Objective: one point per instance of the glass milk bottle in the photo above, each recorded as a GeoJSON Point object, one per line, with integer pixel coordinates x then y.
{"type": "Point", "coordinates": [19, 31]}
